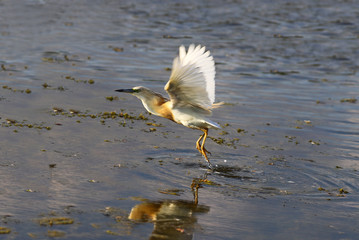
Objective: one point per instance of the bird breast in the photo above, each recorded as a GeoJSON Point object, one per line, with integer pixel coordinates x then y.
{"type": "Point", "coordinates": [165, 110]}
{"type": "Point", "coordinates": [159, 107]}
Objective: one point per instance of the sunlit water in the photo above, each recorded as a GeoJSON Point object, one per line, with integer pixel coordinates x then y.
{"type": "Point", "coordinates": [288, 154]}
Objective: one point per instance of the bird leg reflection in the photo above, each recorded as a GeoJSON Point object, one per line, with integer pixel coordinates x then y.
{"type": "Point", "coordinates": [196, 184]}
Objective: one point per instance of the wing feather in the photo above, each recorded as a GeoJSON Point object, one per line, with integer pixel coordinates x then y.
{"type": "Point", "coordinates": [192, 78]}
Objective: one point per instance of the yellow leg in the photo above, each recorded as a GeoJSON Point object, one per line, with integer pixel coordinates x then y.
{"type": "Point", "coordinates": [198, 145]}
{"type": "Point", "coordinates": [203, 150]}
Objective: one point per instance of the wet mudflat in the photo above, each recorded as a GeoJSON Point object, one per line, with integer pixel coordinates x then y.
{"type": "Point", "coordinates": [80, 161]}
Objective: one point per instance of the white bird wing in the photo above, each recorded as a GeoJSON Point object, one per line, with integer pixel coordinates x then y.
{"type": "Point", "coordinates": [192, 79]}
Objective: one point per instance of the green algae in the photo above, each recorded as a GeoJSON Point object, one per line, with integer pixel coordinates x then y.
{"type": "Point", "coordinates": [50, 221]}
{"type": "Point", "coordinates": [5, 230]}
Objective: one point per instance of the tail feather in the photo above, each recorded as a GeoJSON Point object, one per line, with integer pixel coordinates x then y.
{"type": "Point", "coordinates": [213, 124]}
{"type": "Point", "coordinates": [217, 105]}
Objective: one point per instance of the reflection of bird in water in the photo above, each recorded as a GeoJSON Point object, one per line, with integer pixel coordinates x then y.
{"type": "Point", "coordinates": [191, 88]}
{"type": "Point", "coordinates": [171, 219]}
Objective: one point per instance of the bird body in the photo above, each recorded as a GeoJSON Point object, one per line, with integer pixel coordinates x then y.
{"type": "Point", "coordinates": [191, 88]}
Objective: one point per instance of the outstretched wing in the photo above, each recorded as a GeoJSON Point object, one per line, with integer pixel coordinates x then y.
{"type": "Point", "coordinates": [192, 78]}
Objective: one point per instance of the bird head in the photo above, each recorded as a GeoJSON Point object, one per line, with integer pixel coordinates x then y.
{"type": "Point", "coordinates": [150, 99]}
{"type": "Point", "coordinates": [139, 92]}
{"type": "Point", "coordinates": [133, 91]}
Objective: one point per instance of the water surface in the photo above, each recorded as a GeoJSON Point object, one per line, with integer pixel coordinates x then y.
{"type": "Point", "coordinates": [79, 160]}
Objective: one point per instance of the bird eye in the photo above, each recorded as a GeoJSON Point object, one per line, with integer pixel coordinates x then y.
{"type": "Point", "coordinates": [135, 90]}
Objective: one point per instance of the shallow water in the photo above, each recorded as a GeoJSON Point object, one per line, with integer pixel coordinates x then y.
{"type": "Point", "coordinates": [288, 154]}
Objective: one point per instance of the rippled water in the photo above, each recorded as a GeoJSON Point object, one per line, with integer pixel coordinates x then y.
{"type": "Point", "coordinates": [288, 154]}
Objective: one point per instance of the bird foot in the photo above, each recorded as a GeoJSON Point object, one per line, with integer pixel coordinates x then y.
{"type": "Point", "coordinates": [206, 151]}
{"type": "Point", "coordinates": [202, 149]}
{"type": "Point", "coordinates": [208, 162]}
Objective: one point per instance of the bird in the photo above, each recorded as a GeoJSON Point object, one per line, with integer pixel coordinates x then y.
{"type": "Point", "coordinates": [191, 90]}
